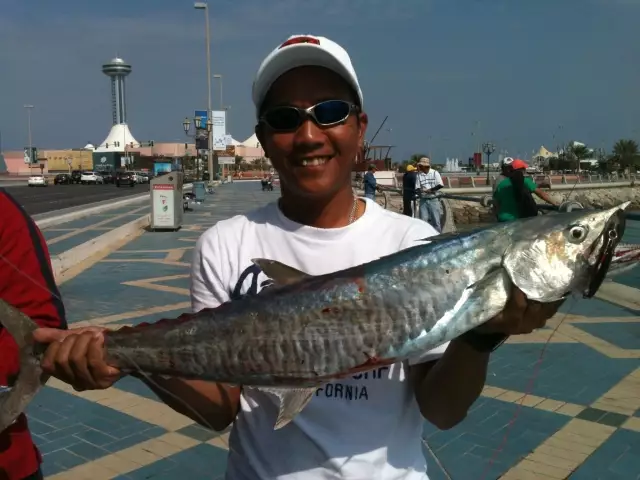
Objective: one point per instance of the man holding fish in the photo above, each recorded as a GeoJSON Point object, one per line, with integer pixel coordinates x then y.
{"type": "Point", "coordinates": [341, 363]}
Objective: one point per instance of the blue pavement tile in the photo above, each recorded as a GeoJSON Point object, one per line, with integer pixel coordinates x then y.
{"type": "Point", "coordinates": [133, 385]}
{"type": "Point", "coordinates": [60, 461]}
{"type": "Point", "coordinates": [435, 469]}
{"type": "Point", "coordinates": [81, 429]}
{"type": "Point", "coordinates": [99, 292]}
{"type": "Point", "coordinates": [594, 307]}
{"type": "Point", "coordinates": [124, 255]}
{"type": "Point", "coordinates": [201, 461]}
{"type": "Point", "coordinates": [491, 437]}
{"type": "Point", "coordinates": [568, 372]}
{"type": "Point", "coordinates": [617, 459]}
{"type": "Point", "coordinates": [623, 335]}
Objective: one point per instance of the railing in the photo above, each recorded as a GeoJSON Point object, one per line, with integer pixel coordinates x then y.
{"type": "Point", "coordinates": [487, 201]}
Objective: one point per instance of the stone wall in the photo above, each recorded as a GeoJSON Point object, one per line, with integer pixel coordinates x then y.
{"type": "Point", "coordinates": [465, 213]}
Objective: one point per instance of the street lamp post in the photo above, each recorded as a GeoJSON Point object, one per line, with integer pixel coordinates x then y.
{"type": "Point", "coordinates": [488, 148]}
{"type": "Point", "coordinates": [218, 77]}
{"type": "Point", "coordinates": [29, 108]}
{"type": "Point", "coordinates": [204, 6]}
{"type": "Point", "coordinates": [197, 123]}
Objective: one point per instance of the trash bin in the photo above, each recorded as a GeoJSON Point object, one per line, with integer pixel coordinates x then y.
{"type": "Point", "coordinates": [166, 202]}
{"type": "Point", "coordinates": [199, 190]}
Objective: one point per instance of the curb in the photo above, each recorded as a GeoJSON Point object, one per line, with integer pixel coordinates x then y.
{"type": "Point", "coordinates": [82, 211]}
{"type": "Point", "coordinates": [76, 255]}
{"type": "Point", "coordinates": [97, 207]}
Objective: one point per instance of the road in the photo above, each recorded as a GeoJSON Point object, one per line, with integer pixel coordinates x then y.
{"type": "Point", "coordinates": [47, 199]}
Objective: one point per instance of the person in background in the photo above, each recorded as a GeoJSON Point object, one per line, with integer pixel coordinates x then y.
{"type": "Point", "coordinates": [27, 283]}
{"type": "Point", "coordinates": [409, 190]}
{"type": "Point", "coordinates": [512, 196]}
{"type": "Point", "coordinates": [428, 182]}
{"type": "Point", "coordinates": [370, 183]}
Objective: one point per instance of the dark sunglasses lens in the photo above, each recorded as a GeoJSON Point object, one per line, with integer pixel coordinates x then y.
{"type": "Point", "coordinates": [282, 118]}
{"type": "Point", "coordinates": [332, 111]}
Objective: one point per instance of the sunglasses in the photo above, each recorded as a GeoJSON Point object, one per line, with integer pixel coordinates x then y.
{"type": "Point", "coordinates": [324, 114]}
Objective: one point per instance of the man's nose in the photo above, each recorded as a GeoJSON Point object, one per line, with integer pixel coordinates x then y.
{"type": "Point", "coordinates": [308, 133]}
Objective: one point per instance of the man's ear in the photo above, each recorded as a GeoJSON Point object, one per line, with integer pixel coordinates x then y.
{"type": "Point", "coordinates": [261, 137]}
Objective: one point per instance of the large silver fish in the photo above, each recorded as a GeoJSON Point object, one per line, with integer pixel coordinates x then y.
{"type": "Point", "coordinates": [308, 330]}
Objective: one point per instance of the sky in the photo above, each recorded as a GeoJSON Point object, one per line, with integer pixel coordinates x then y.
{"type": "Point", "coordinates": [449, 74]}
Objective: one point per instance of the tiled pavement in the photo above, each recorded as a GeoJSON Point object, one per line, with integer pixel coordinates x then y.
{"type": "Point", "coordinates": [574, 414]}
{"type": "Point", "coordinates": [65, 236]}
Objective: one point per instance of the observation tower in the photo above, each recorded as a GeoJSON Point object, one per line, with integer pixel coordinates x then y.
{"type": "Point", "coordinates": [119, 137]}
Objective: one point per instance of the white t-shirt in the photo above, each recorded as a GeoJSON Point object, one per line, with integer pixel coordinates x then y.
{"type": "Point", "coordinates": [361, 428]}
{"type": "Point", "coordinates": [425, 181]}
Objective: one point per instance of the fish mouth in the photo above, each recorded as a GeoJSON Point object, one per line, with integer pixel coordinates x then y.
{"type": "Point", "coordinates": [608, 241]}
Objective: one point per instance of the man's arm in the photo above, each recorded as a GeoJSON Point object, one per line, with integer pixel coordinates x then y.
{"type": "Point", "coordinates": [439, 183]}
{"type": "Point", "coordinates": [213, 405]}
{"type": "Point", "coordinates": [445, 389]}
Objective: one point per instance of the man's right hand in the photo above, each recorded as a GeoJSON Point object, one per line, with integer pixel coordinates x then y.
{"type": "Point", "coordinates": [76, 357]}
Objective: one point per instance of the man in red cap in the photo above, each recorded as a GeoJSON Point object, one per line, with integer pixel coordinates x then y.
{"type": "Point", "coordinates": [512, 195]}
{"type": "Point", "coordinates": [27, 284]}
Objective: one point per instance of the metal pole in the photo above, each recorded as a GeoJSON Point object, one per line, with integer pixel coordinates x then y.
{"type": "Point", "coordinates": [488, 166]}
{"type": "Point", "coordinates": [29, 107]}
{"type": "Point", "coordinates": [210, 136]}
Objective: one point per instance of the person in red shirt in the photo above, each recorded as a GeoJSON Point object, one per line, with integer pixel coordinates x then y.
{"type": "Point", "coordinates": [27, 283]}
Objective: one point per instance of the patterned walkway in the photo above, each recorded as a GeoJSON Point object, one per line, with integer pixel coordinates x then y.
{"type": "Point", "coordinates": [579, 419]}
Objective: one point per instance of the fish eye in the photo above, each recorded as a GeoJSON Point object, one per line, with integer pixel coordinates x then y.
{"type": "Point", "coordinates": [577, 233]}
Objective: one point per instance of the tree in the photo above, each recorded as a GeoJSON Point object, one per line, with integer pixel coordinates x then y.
{"type": "Point", "coordinates": [577, 153]}
{"type": "Point", "coordinates": [626, 153]}
{"type": "Point", "coordinates": [239, 159]}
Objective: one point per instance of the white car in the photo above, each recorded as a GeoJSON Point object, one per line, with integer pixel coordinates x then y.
{"type": "Point", "coordinates": [91, 177]}
{"type": "Point", "coordinates": [38, 181]}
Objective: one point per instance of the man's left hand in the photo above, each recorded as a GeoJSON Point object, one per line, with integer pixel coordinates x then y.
{"type": "Point", "coordinates": [520, 316]}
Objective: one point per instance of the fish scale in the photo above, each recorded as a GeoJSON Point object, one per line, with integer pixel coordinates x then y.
{"type": "Point", "coordinates": [305, 331]}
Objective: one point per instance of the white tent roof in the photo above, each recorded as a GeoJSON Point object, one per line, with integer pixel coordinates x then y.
{"type": "Point", "coordinates": [118, 137]}
{"type": "Point", "coordinates": [234, 142]}
{"type": "Point", "coordinates": [252, 141]}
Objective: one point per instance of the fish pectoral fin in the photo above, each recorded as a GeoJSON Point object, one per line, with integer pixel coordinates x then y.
{"type": "Point", "coordinates": [292, 402]}
{"type": "Point", "coordinates": [280, 273]}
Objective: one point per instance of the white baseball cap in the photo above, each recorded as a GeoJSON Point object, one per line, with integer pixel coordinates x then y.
{"type": "Point", "coordinates": [303, 51]}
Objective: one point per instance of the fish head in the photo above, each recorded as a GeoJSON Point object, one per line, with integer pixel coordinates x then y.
{"type": "Point", "coordinates": [553, 256]}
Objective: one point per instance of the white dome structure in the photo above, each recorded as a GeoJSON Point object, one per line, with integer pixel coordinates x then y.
{"type": "Point", "coordinates": [251, 142]}
{"type": "Point", "coordinates": [89, 146]}
{"type": "Point", "coordinates": [119, 137]}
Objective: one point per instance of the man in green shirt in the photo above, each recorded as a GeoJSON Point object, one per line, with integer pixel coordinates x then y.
{"type": "Point", "coordinates": [512, 197]}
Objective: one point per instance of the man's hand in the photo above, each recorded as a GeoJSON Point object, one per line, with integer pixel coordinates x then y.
{"type": "Point", "coordinates": [520, 315]}
{"type": "Point", "coordinates": [77, 357]}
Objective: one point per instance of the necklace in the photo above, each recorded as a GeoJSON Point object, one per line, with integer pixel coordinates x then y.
{"type": "Point", "coordinates": [352, 214]}
{"type": "Point", "coordinates": [354, 210]}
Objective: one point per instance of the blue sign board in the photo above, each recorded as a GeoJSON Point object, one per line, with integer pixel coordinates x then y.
{"type": "Point", "coordinates": [160, 167]}
{"type": "Point", "coordinates": [202, 135]}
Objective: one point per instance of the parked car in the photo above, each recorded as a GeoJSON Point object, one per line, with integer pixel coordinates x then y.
{"type": "Point", "coordinates": [143, 177]}
{"type": "Point", "coordinates": [62, 179]}
{"type": "Point", "coordinates": [37, 181]}
{"type": "Point", "coordinates": [91, 177]}
{"type": "Point", "coordinates": [124, 177]}
{"type": "Point", "coordinates": [75, 176]}
{"type": "Point", "coordinates": [107, 177]}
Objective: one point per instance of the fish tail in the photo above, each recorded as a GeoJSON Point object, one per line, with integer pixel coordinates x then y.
{"type": "Point", "coordinates": [14, 399]}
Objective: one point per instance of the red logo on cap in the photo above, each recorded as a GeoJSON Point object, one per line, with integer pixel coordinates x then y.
{"type": "Point", "coordinates": [298, 40]}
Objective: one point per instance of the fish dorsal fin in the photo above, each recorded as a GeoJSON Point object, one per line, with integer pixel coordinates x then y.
{"type": "Point", "coordinates": [292, 402]}
{"type": "Point", "coordinates": [280, 273]}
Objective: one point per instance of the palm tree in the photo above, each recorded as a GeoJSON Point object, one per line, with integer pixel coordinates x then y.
{"type": "Point", "coordinates": [577, 154]}
{"type": "Point", "coordinates": [626, 153]}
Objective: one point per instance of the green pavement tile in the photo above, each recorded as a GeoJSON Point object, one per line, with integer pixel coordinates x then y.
{"type": "Point", "coordinates": [591, 414]}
